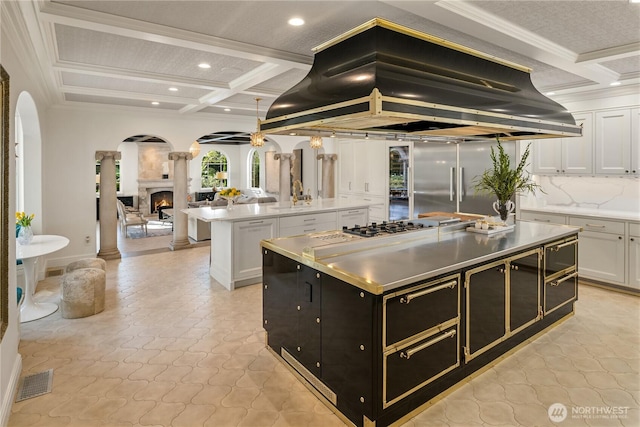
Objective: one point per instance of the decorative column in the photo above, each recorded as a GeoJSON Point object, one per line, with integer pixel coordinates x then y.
{"type": "Point", "coordinates": [285, 175]}
{"type": "Point", "coordinates": [108, 215]}
{"type": "Point", "coordinates": [180, 191]}
{"type": "Point", "coordinates": [328, 175]}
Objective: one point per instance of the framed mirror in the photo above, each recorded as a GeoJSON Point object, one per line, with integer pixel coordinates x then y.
{"type": "Point", "coordinates": [4, 206]}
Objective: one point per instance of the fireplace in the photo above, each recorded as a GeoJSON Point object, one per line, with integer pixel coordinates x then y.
{"type": "Point", "coordinates": [148, 190]}
{"type": "Point", "coordinates": [160, 199]}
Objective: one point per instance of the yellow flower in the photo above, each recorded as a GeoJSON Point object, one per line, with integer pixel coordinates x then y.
{"type": "Point", "coordinates": [24, 220]}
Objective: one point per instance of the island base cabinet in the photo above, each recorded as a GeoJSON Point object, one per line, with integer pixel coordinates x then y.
{"type": "Point", "coordinates": [419, 363]}
{"type": "Point", "coordinates": [485, 308]}
{"type": "Point", "coordinates": [560, 292]}
{"type": "Point", "coordinates": [524, 291]}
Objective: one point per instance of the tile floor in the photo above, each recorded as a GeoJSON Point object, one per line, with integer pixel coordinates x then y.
{"type": "Point", "coordinates": [174, 348]}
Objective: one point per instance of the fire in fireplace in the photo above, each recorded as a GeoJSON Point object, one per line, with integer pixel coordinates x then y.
{"type": "Point", "coordinates": [161, 199]}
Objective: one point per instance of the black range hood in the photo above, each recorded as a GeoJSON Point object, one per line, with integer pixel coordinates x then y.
{"type": "Point", "coordinates": [384, 79]}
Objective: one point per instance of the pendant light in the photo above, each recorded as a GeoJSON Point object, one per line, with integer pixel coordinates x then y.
{"type": "Point", "coordinates": [257, 138]}
{"type": "Point", "coordinates": [194, 149]}
{"type": "Point", "coordinates": [316, 142]}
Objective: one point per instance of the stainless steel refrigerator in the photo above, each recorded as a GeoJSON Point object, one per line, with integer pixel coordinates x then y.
{"type": "Point", "coordinates": [444, 175]}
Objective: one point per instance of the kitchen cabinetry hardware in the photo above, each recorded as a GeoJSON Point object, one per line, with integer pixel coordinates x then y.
{"type": "Point", "coordinates": [407, 299]}
{"type": "Point", "coordinates": [407, 354]}
{"type": "Point", "coordinates": [595, 225]}
{"type": "Point", "coordinates": [256, 222]}
{"type": "Point", "coordinates": [309, 220]}
{"type": "Point", "coordinates": [563, 245]}
{"type": "Point", "coordinates": [514, 267]}
{"type": "Point", "coordinates": [541, 220]}
{"type": "Point", "coordinates": [361, 347]}
{"type": "Point", "coordinates": [317, 320]}
{"type": "Point", "coordinates": [564, 279]}
{"type": "Point", "coordinates": [361, 294]}
{"type": "Point", "coordinates": [451, 172]}
{"type": "Point", "coordinates": [317, 275]}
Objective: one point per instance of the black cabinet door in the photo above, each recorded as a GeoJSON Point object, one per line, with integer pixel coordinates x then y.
{"type": "Point", "coordinates": [486, 309]}
{"type": "Point", "coordinates": [560, 291]}
{"type": "Point", "coordinates": [279, 309]}
{"type": "Point", "coordinates": [308, 350]}
{"type": "Point", "coordinates": [524, 290]}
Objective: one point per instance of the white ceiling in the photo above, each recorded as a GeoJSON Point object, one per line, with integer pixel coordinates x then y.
{"type": "Point", "coordinates": [129, 53]}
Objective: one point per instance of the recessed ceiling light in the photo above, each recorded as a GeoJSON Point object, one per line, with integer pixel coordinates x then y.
{"type": "Point", "coordinates": [296, 22]}
{"type": "Point", "coordinates": [155, 103]}
{"type": "Point", "coordinates": [173, 89]}
{"type": "Point", "coordinates": [550, 93]}
{"type": "Point", "coordinates": [292, 133]}
{"type": "Point", "coordinates": [227, 109]}
{"type": "Point", "coordinates": [204, 65]}
{"type": "Point", "coordinates": [614, 84]}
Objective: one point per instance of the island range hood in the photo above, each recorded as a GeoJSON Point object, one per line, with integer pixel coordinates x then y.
{"type": "Point", "coordinates": [384, 80]}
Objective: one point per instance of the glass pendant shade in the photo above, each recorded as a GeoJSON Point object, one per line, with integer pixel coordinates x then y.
{"type": "Point", "coordinates": [316, 142]}
{"type": "Point", "coordinates": [194, 149]}
{"type": "Point", "coordinates": [257, 138]}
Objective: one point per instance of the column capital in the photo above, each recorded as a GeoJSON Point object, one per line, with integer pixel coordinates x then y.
{"type": "Point", "coordinates": [177, 155]}
{"type": "Point", "coordinates": [284, 156]}
{"type": "Point", "coordinates": [100, 155]}
{"type": "Point", "coordinates": [327, 157]}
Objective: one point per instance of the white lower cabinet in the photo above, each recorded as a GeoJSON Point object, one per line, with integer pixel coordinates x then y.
{"type": "Point", "coordinates": [608, 250]}
{"type": "Point", "coordinates": [304, 224]}
{"type": "Point", "coordinates": [634, 255]}
{"type": "Point", "coordinates": [601, 256]}
{"type": "Point", "coordinates": [247, 258]}
{"type": "Point", "coordinates": [352, 217]}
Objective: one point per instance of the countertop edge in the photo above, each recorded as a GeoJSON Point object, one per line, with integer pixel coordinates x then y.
{"type": "Point", "coordinates": [607, 215]}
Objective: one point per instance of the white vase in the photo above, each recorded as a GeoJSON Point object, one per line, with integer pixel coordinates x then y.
{"type": "Point", "coordinates": [504, 209]}
{"type": "Point", "coordinates": [25, 235]}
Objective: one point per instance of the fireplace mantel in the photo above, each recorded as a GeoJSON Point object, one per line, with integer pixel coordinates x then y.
{"type": "Point", "coordinates": [146, 187]}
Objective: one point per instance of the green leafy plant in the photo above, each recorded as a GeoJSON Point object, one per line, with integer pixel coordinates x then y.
{"type": "Point", "coordinates": [503, 181]}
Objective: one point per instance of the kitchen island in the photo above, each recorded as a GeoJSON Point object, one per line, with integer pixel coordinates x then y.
{"type": "Point", "coordinates": [379, 327]}
{"type": "Point", "coordinates": [236, 233]}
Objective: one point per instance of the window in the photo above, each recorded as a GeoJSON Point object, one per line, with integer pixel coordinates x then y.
{"type": "Point", "coordinates": [254, 169]}
{"type": "Point", "coordinates": [117, 176]}
{"type": "Point", "coordinates": [214, 170]}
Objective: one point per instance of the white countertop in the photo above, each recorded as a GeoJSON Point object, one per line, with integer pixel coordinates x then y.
{"type": "Point", "coordinates": [278, 209]}
{"type": "Point", "coordinates": [590, 212]}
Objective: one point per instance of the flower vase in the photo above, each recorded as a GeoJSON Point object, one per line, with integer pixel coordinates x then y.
{"type": "Point", "coordinates": [25, 235]}
{"type": "Point", "coordinates": [504, 208]}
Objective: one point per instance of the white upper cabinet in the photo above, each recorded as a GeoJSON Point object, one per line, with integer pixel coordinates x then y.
{"type": "Point", "coordinates": [566, 155]}
{"type": "Point", "coordinates": [613, 142]}
{"type": "Point", "coordinates": [362, 167]}
{"type": "Point", "coordinates": [635, 141]}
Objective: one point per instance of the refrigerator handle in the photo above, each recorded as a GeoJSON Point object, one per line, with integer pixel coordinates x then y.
{"type": "Point", "coordinates": [451, 184]}
{"type": "Point", "coordinates": [460, 184]}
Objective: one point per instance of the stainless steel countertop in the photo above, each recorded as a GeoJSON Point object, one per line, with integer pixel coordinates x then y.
{"type": "Point", "coordinates": [382, 264]}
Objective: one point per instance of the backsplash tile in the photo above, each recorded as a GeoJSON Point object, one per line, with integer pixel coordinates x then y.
{"type": "Point", "coordinates": [602, 193]}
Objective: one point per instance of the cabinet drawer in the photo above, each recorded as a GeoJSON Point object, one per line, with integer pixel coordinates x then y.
{"type": "Point", "coordinates": [305, 229]}
{"type": "Point", "coordinates": [598, 225]}
{"type": "Point", "coordinates": [419, 363]}
{"type": "Point", "coordinates": [560, 292]}
{"type": "Point", "coordinates": [543, 217]}
{"type": "Point", "coordinates": [412, 311]}
{"type": "Point", "coordinates": [302, 220]}
{"type": "Point", "coordinates": [352, 217]}
{"type": "Point", "coordinates": [634, 229]}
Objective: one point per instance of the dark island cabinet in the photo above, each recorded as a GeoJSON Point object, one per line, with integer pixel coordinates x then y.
{"type": "Point", "coordinates": [378, 357]}
{"type": "Point", "coordinates": [502, 298]}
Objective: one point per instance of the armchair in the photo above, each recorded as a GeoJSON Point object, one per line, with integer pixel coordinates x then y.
{"type": "Point", "coordinates": [130, 219]}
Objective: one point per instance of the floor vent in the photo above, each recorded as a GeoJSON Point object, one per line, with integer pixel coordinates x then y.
{"type": "Point", "coordinates": [54, 272]}
{"type": "Point", "coordinates": [35, 385]}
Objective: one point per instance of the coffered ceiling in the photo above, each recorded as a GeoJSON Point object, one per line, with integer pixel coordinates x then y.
{"type": "Point", "coordinates": [135, 53]}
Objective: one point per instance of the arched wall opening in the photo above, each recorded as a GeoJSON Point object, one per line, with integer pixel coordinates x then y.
{"type": "Point", "coordinates": [28, 140]}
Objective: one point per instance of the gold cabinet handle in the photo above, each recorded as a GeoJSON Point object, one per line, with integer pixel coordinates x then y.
{"type": "Point", "coordinates": [409, 353]}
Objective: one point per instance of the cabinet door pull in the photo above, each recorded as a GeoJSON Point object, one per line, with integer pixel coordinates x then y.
{"type": "Point", "coordinates": [256, 222]}
{"type": "Point", "coordinates": [309, 220]}
{"type": "Point", "coordinates": [541, 220]}
{"type": "Point", "coordinates": [563, 279]}
{"type": "Point", "coordinates": [409, 353]}
{"type": "Point", "coordinates": [595, 225]}
{"type": "Point", "coordinates": [563, 245]}
{"type": "Point", "coordinates": [407, 299]}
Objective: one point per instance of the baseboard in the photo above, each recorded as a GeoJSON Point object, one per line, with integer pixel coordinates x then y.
{"type": "Point", "coordinates": [12, 389]}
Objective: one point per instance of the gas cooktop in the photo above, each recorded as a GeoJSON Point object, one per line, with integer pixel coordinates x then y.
{"type": "Point", "coordinates": [393, 227]}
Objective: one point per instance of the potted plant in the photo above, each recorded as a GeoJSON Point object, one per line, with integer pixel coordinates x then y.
{"type": "Point", "coordinates": [504, 182]}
